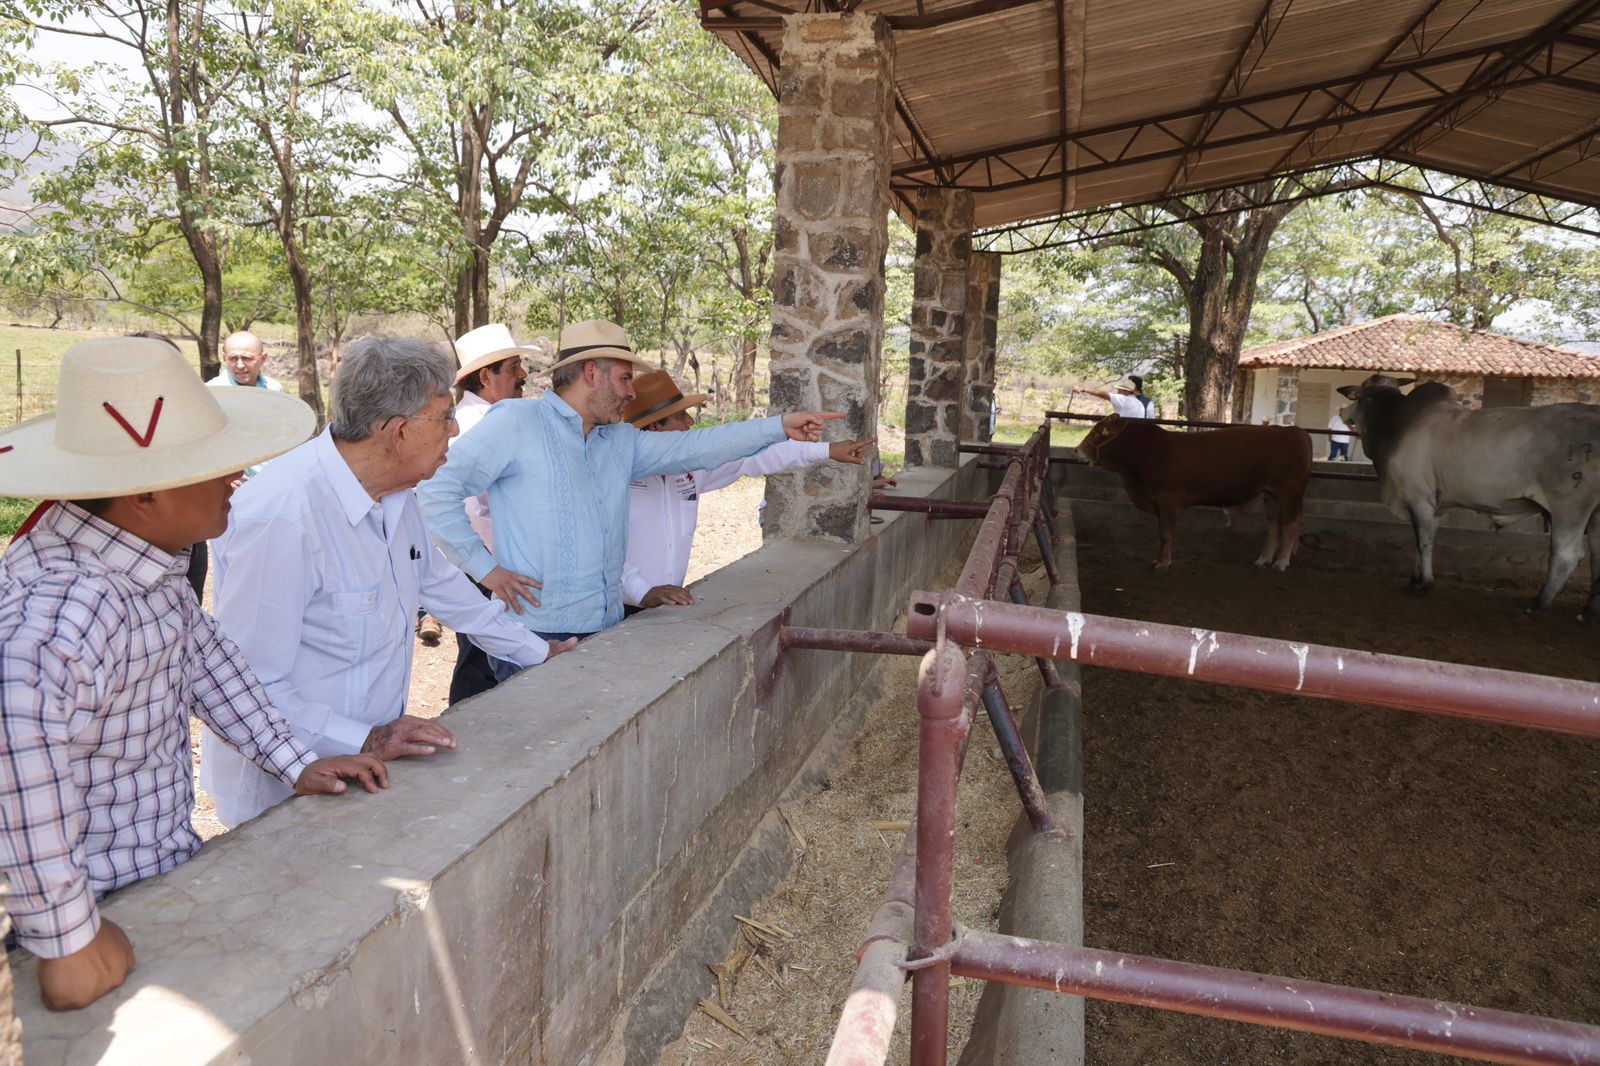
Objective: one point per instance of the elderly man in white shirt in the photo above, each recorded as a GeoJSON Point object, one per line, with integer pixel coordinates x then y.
{"type": "Point", "coordinates": [325, 562]}
{"type": "Point", "coordinates": [491, 371]}
{"type": "Point", "coordinates": [1126, 397]}
{"type": "Point", "coordinates": [663, 509]}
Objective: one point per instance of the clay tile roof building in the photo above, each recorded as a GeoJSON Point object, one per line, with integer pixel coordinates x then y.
{"type": "Point", "coordinates": [1415, 345]}
{"type": "Point", "coordinates": [1295, 382]}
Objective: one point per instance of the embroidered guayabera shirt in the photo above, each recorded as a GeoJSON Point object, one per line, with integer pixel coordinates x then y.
{"type": "Point", "coordinates": [560, 500]}
{"type": "Point", "coordinates": [103, 654]}
{"type": "Point", "coordinates": [663, 511]}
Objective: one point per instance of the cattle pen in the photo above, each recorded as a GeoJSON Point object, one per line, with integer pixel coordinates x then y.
{"type": "Point", "coordinates": [958, 631]}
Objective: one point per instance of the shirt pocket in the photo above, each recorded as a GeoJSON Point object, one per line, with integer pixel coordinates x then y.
{"type": "Point", "coordinates": [354, 614]}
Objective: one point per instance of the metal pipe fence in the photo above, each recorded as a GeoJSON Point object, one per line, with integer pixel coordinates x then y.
{"type": "Point", "coordinates": [913, 931]}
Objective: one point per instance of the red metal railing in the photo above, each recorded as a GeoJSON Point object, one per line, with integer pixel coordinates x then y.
{"type": "Point", "coordinates": [913, 931]}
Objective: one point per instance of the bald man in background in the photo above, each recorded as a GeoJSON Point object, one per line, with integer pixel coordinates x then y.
{"type": "Point", "coordinates": [243, 356]}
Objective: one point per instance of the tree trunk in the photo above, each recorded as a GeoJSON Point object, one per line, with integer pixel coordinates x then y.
{"type": "Point", "coordinates": [1221, 293]}
{"type": "Point", "coordinates": [304, 331]}
{"type": "Point", "coordinates": [744, 373]}
{"type": "Point", "coordinates": [210, 339]}
{"type": "Point", "coordinates": [480, 283]}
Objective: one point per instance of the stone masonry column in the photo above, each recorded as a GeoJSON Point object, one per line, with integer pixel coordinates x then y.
{"type": "Point", "coordinates": [835, 111]}
{"type": "Point", "coordinates": [983, 327]}
{"type": "Point", "coordinates": [938, 327]}
{"type": "Point", "coordinates": [1288, 396]}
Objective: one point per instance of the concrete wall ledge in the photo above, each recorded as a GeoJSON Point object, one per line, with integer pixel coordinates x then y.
{"type": "Point", "coordinates": [504, 902]}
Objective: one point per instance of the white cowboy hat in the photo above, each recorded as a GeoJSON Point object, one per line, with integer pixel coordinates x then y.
{"type": "Point", "coordinates": [595, 339]}
{"type": "Point", "coordinates": [132, 416]}
{"type": "Point", "coordinates": [485, 346]}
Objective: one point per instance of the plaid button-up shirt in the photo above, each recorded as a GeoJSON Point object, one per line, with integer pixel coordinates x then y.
{"type": "Point", "coordinates": [103, 654]}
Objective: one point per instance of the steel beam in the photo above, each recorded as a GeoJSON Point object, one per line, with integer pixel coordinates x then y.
{"type": "Point", "coordinates": [1280, 1002]}
{"type": "Point", "coordinates": [1453, 690]}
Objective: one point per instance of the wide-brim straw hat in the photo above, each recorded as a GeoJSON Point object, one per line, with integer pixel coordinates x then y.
{"type": "Point", "coordinates": [1124, 385]}
{"type": "Point", "coordinates": [594, 339]}
{"type": "Point", "coordinates": [486, 346]}
{"type": "Point", "coordinates": [132, 416]}
{"type": "Point", "coordinates": [657, 396]}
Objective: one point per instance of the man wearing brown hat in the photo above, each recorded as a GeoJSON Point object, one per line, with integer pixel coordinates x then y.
{"type": "Point", "coordinates": [557, 470]}
{"type": "Point", "coordinates": [664, 509]}
{"type": "Point", "coordinates": [104, 652]}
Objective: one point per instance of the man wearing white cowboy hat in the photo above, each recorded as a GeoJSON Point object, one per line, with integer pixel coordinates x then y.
{"type": "Point", "coordinates": [557, 470]}
{"type": "Point", "coordinates": [491, 371]}
{"type": "Point", "coordinates": [664, 509]}
{"type": "Point", "coordinates": [104, 652]}
{"type": "Point", "coordinates": [325, 562]}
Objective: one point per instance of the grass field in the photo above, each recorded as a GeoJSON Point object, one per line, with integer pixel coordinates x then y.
{"type": "Point", "coordinates": [41, 365]}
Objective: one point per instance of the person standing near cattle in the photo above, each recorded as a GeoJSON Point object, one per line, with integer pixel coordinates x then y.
{"type": "Point", "coordinates": [1165, 473]}
{"type": "Point", "coordinates": [1339, 439]}
{"type": "Point", "coordinates": [1126, 397]}
{"type": "Point", "coordinates": [104, 653]}
{"type": "Point", "coordinates": [664, 509]}
{"type": "Point", "coordinates": [556, 470]}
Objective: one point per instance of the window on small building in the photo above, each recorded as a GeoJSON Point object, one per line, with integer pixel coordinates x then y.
{"type": "Point", "coordinates": [1507, 392]}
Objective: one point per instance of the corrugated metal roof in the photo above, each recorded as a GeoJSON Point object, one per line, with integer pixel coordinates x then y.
{"type": "Point", "coordinates": [1412, 344]}
{"type": "Point", "coordinates": [1183, 95]}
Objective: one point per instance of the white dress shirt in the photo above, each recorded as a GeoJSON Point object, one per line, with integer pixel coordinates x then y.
{"type": "Point", "coordinates": [319, 584]}
{"type": "Point", "coordinates": [469, 412]}
{"type": "Point", "coordinates": [1130, 406]}
{"type": "Point", "coordinates": [663, 510]}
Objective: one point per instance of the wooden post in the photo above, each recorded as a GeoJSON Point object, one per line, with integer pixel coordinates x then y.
{"type": "Point", "coordinates": [19, 384]}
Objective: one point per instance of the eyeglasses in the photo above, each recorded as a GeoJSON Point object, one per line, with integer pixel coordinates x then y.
{"type": "Point", "coordinates": [451, 418]}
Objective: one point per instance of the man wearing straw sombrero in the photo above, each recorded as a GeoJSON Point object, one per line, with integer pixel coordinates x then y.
{"type": "Point", "coordinates": [557, 470]}
{"type": "Point", "coordinates": [664, 509]}
{"type": "Point", "coordinates": [491, 371]}
{"type": "Point", "coordinates": [104, 652]}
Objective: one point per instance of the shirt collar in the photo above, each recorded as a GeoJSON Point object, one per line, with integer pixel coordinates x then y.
{"type": "Point", "coordinates": [471, 399]}
{"type": "Point", "coordinates": [561, 407]}
{"type": "Point", "coordinates": [118, 549]}
{"type": "Point", "coordinates": [355, 500]}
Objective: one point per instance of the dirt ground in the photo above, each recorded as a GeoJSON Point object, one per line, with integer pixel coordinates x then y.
{"type": "Point", "coordinates": [787, 1003]}
{"type": "Point", "coordinates": [1327, 841]}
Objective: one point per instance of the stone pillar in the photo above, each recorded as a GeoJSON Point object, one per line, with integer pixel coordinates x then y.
{"type": "Point", "coordinates": [835, 113]}
{"type": "Point", "coordinates": [983, 322]}
{"type": "Point", "coordinates": [938, 327]}
{"type": "Point", "coordinates": [1288, 396]}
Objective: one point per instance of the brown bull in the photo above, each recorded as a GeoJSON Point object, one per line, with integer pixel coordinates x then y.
{"type": "Point", "coordinates": [1164, 473]}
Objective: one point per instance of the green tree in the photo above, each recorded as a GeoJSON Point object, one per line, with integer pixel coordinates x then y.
{"type": "Point", "coordinates": [143, 150]}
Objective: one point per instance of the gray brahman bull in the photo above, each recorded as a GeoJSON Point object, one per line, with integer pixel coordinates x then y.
{"type": "Point", "coordinates": [1506, 462]}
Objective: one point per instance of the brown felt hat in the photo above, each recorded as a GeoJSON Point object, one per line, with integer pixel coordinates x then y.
{"type": "Point", "coordinates": [657, 396]}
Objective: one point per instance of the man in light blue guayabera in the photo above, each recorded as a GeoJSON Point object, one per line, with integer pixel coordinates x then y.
{"type": "Point", "coordinates": [557, 470]}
